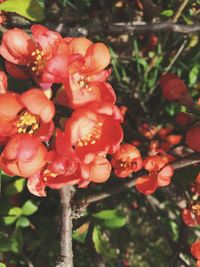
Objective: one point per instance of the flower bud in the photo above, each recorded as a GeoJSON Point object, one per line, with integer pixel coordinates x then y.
{"type": "Point", "coordinates": [192, 138]}
{"type": "Point", "coordinates": [173, 88]}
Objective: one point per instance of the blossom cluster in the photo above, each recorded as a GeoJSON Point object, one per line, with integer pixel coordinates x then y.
{"type": "Point", "coordinates": [73, 150]}
{"type": "Point", "coordinates": [52, 149]}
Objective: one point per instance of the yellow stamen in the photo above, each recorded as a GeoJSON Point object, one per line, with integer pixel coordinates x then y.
{"type": "Point", "coordinates": [27, 123]}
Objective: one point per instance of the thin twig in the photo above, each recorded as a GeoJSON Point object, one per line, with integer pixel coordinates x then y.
{"type": "Point", "coordinates": [177, 55]}
{"type": "Point", "coordinates": [180, 10]}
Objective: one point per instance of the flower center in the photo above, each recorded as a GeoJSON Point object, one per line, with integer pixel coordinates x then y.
{"type": "Point", "coordinates": [92, 136]}
{"type": "Point", "coordinates": [39, 62]}
{"type": "Point", "coordinates": [196, 209]}
{"type": "Point", "coordinates": [127, 164]}
{"type": "Point", "coordinates": [48, 174]}
{"type": "Point", "coordinates": [27, 123]}
{"type": "Point", "coordinates": [83, 82]}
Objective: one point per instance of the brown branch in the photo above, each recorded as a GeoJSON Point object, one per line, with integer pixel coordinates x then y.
{"type": "Point", "coordinates": [130, 28]}
{"type": "Point", "coordinates": [123, 28]}
{"type": "Point", "coordinates": [129, 183]}
{"type": "Point", "coordinates": [66, 253]}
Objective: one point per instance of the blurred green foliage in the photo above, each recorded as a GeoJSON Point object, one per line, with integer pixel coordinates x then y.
{"type": "Point", "coordinates": [29, 9]}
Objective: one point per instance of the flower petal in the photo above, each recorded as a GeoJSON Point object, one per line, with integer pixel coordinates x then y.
{"type": "Point", "coordinates": [97, 58]}
{"type": "Point", "coordinates": [147, 184]}
{"type": "Point", "coordinates": [17, 47]}
{"type": "Point", "coordinates": [36, 186]}
{"type": "Point", "coordinates": [37, 103]}
{"type": "Point", "coordinates": [164, 176]}
{"type": "Point", "coordinates": [46, 39]}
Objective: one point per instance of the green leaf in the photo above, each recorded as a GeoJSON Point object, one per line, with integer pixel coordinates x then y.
{"type": "Point", "coordinates": [187, 20]}
{"type": "Point", "coordinates": [16, 211]}
{"type": "Point", "coordinates": [96, 238]}
{"type": "Point", "coordinates": [175, 230]}
{"type": "Point", "coordinates": [111, 218]}
{"type": "Point", "coordinates": [9, 219]}
{"type": "Point", "coordinates": [193, 74]}
{"type": "Point", "coordinates": [2, 265]}
{"type": "Point", "coordinates": [17, 241]}
{"type": "Point", "coordinates": [15, 187]}
{"type": "Point", "coordinates": [101, 245]}
{"type": "Point", "coordinates": [81, 233]}
{"type": "Point", "coordinates": [106, 214]}
{"type": "Point", "coordinates": [29, 208]}
{"type": "Point", "coordinates": [167, 13]}
{"type": "Point", "coordinates": [23, 222]}
{"type": "Point", "coordinates": [114, 223]}
{"type": "Point", "coordinates": [5, 244]}
{"type": "Point", "coordinates": [29, 9]}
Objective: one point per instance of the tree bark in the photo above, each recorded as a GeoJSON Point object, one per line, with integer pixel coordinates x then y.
{"type": "Point", "coordinates": [66, 252]}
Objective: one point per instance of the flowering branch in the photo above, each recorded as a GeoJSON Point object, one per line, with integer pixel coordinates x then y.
{"type": "Point", "coordinates": [119, 187]}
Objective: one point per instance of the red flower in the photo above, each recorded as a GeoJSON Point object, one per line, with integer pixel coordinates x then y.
{"type": "Point", "coordinates": [174, 89]}
{"type": "Point", "coordinates": [97, 171]}
{"type": "Point", "coordinates": [195, 250]}
{"type": "Point", "coordinates": [159, 175]}
{"type": "Point", "coordinates": [192, 217]}
{"type": "Point", "coordinates": [192, 138]}
{"type": "Point", "coordinates": [59, 170]}
{"type": "Point", "coordinates": [126, 160]}
{"type": "Point", "coordinates": [31, 112]}
{"type": "Point", "coordinates": [94, 129]}
{"type": "Point", "coordinates": [149, 131]}
{"type": "Point", "coordinates": [63, 167]}
{"type": "Point", "coordinates": [82, 74]}
{"type": "Point", "coordinates": [24, 155]}
{"type": "Point", "coordinates": [164, 132]}
{"type": "Point", "coordinates": [170, 140]}
{"type": "Point", "coordinates": [80, 93]}
{"type": "Point", "coordinates": [3, 82]}
{"type": "Point", "coordinates": [17, 47]}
